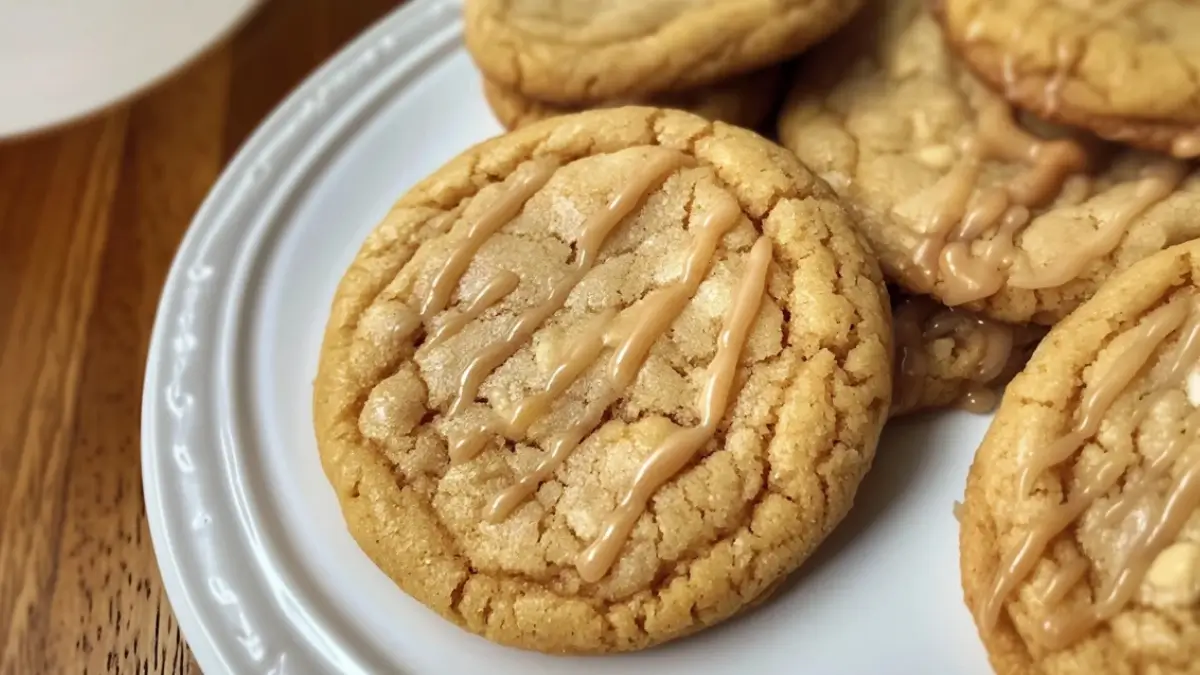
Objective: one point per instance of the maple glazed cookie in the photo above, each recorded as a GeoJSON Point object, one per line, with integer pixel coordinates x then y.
{"type": "Point", "coordinates": [961, 198]}
{"type": "Point", "coordinates": [953, 357]}
{"type": "Point", "coordinates": [575, 52]}
{"type": "Point", "coordinates": [745, 100]}
{"type": "Point", "coordinates": [1127, 69]}
{"type": "Point", "coordinates": [605, 380]}
{"type": "Point", "coordinates": [1080, 539]}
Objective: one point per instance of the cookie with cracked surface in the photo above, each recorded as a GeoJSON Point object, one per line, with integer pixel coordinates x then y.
{"type": "Point", "coordinates": [603, 381]}
{"type": "Point", "coordinates": [954, 358]}
{"type": "Point", "coordinates": [1080, 536]}
{"type": "Point", "coordinates": [745, 100]}
{"type": "Point", "coordinates": [1129, 70]}
{"type": "Point", "coordinates": [580, 52]}
{"type": "Point", "coordinates": [963, 199]}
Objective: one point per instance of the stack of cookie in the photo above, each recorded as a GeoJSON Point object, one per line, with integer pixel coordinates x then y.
{"type": "Point", "coordinates": [1026, 160]}
{"type": "Point", "coordinates": [607, 379]}
{"type": "Point", "coordinates": [966, 197]}
{"type": "Point", "coordinates": [720, 60]}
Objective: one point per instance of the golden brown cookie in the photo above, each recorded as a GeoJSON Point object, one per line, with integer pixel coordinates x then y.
{"type": "Point", "coordinates": [1080, 537]}
{"type": "Point", "coordinates": [581, 52]}
{"type": "Point", "coordinates": [605, 380]}
{"type": "Point", "coordinates": [1129, 70]}
{"type": "Point", "coordinates": [952, 357]}
{"type": "Point", "coordinates": [963, 199]}
{"type": "Point", "coordinates": [745, 100]}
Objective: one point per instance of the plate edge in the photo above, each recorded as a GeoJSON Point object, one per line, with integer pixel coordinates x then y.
{"type": "Point", "coordinates": [173, 343]}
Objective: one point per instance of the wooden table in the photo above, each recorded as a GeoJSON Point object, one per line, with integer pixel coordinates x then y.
{"type": "Point", "coordinates": [90, 216]}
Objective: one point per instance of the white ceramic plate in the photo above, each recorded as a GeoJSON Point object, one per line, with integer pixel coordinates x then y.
{"type": "Point", "coordinates": [60, 59]}
{"type": "Point", "coordinates": [256, 559]}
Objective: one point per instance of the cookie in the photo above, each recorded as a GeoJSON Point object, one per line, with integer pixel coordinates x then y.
{"type": "Point", "coordinates": [1128, 70]}
{"type": "Point", "coordinates": [578, 52]}
{"type": "Point", "coordinates": [745, 100]}
{"type": "Point", "coordinates": [1080, 538]}
{"type": "Point", "coordinates": [605, 380]}
{"type": "Point", "coordinates": [962, 198]}
{"type": "Point", "coordinates": [954, 358]}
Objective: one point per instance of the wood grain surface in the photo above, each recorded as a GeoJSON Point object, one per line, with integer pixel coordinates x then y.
{"type": "Point", "coordinates": [90, 216]}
